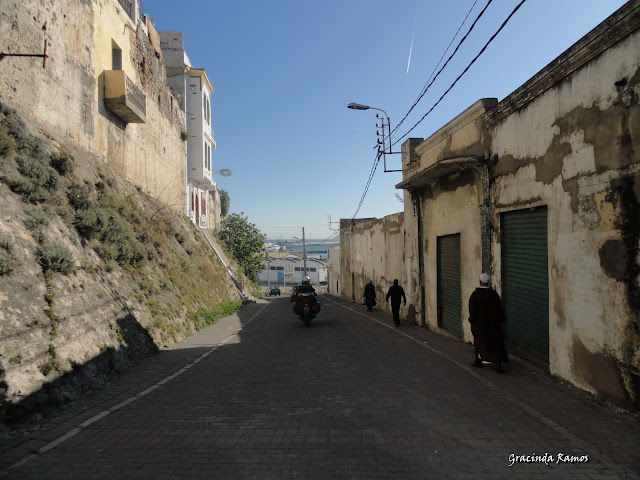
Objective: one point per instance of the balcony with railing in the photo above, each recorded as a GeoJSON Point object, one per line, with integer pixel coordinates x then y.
{"type": "Point", "coordinates": [123, 97]}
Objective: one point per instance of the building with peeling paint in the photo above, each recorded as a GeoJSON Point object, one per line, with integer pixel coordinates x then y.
{"type": "Point", "coordinates": [542, 191]}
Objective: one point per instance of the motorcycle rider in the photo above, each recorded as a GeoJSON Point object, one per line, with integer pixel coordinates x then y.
{"type": "Point", "coordinates": [306, 288]}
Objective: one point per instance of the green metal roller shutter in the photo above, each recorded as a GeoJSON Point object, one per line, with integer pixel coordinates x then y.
{"type": "Point", "coordinates": [525, 279]}
{"type": "Point", "coordinates": [449, 287]}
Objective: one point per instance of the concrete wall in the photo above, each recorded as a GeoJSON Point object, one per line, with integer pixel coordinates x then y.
{"type": "Point", "coordinates": [575, 149]}
{"type": "Point", "coordinates": [67, 97]}
{"type": "Point", "coordinates": [374, 249]}
{"type": "Point", "coordinates": [452, 208]}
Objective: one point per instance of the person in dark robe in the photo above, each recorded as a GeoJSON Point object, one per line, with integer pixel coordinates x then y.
{"type": "Point", "coordinates": [486, 316]}
{"type": "Point", "coordinates": [369, 295]}
{"type": "Point", "coordinates": [396, 293]}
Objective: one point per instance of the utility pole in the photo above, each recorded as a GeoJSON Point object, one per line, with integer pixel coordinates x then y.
{"type": "Point", "coordinates": [304, 254]}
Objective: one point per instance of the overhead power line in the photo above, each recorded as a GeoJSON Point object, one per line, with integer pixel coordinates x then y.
{"type": "Point", "coordinates": [463, 72]}
{"type": "Point", "coordinates": [431, 78]}
{"type": "Point", "coordinates": [376, 161]}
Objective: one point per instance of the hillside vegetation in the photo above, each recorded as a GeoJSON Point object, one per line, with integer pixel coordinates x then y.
{"type": "Point", "coordinates": [94, 273]}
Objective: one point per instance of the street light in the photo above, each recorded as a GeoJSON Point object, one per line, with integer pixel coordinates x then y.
{"type": "Point", "coordinates": [359, 106]}
{"type": "Point", "coordinates": [225, 172]}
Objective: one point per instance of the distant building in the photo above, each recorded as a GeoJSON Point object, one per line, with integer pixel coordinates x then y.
{"type": "Point", "coordinates": [288, 269]}
{"type": "Point", "coordinates": [333, 270]}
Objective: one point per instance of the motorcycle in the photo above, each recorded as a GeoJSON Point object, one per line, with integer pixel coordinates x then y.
{"type": "Point", "coordinates": [306, 306]}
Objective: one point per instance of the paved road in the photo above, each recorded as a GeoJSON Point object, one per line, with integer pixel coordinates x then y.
{"type": "Point", "coordinates": [259, 395]}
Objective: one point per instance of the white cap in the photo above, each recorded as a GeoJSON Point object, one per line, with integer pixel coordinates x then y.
{"type": "Point", "coordinates": [484, 278]}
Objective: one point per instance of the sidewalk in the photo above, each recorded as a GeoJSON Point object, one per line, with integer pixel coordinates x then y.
{"type": "Point", "coordinates": [611, 431]}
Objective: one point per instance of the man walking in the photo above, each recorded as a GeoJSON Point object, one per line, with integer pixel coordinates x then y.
{"type": "Point", "coordinates": [396, 292]}
{"type": "Point", "coordinates": [486, 316]}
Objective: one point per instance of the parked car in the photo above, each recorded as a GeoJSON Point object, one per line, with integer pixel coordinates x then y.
{"type": "Point", "coordinates": [273, 291]}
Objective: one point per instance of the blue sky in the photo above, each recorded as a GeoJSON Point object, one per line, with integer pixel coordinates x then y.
{"type": "Point", "coordinates": [284, 71]}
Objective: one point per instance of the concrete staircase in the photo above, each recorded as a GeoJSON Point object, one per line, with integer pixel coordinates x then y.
{"type": "Point", "coordinates": [237, 280]}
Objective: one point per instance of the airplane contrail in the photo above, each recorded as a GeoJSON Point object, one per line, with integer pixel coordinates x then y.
{"type": "Point", "coordinates": [410, 50]}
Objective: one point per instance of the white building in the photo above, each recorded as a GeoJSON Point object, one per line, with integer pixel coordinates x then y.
{"type": "Point", "coordinates": [193, 89]}
{"type": "Point", "coordinates": [333, 270]}
{"type": "Point", "coordinates": [288, 269]}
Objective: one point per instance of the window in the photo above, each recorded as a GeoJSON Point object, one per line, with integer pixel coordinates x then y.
{"type": "Point", "coordinates": [203, 208]}
{"type": "Point", "coordinates": [312, 269]}
{"type": "Point", "coordinates": [207, 155]}
{"type": "Point", "coordinates": [207, 108]}
{"type": "Point", "coordinates": [116, 56]}
{"type": "Point", "coordinates": [297, 269]}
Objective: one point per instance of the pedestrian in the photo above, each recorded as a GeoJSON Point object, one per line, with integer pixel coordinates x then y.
{"type": "Point", "coordinates": [486, 316]}
{"type": "Point", "coordinates": [370, 295]}
{"type": "Point", "coordinates": [396, 292]}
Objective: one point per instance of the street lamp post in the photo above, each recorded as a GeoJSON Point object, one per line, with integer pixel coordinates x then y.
{"type": "Point", "coordinates": [383, 152]}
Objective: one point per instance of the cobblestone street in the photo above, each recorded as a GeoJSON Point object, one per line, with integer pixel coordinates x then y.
{"type": "Point", "coordinates": [259, 395]}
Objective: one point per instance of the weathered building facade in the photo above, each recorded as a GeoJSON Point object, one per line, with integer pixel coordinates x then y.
{"type": "Point", "coordinates": [103, 90]}
{"type": "Point", "coordinates": [375, 249]}
{"type": "Point", "coordinates": [542, 191]}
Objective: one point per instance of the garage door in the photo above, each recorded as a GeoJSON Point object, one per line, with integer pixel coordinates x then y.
{"type": "Point", "coordinates": [449, 288]}
{"type": "Point", "coordinates": [525, 279]}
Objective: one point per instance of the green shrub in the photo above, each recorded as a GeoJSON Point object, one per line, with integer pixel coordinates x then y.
{"type": "Point", "coordinates": [15, 360]}
{"type": "Point", "coordinates": [37, 180]}
{"type": "Point", "coordinates": [53, 364]}
{"type": "Point", "coordinates": [5, 244]}
{"type": "Point", "coordinates": [108, 252]}
{"type": "Point", "coordinates": [7, 143]}
{"type": "Point", "coordinates": [78, 196]}
{"type": "Point", "coordinates": [53, 257]}
{"type": "Point", "coordinates": [62, 163]}
{"type": "Point", "coordinates": [42, 174]}
{"type": "Point", "coordinates": [7, 260]}
{"type": "Point", "coordinates": [29, 190]}
{"type": "Point", "coordinates": [36, 219]}
{"type": "Point", "coordinates": [87, 224]}
{"type": "Point", "coordinates": [7, 263]}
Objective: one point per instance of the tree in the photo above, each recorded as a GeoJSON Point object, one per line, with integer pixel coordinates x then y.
{"type": "Point", "coordinates": [245, 242]}
{"type": "Point", "coordinates": [224, 202]}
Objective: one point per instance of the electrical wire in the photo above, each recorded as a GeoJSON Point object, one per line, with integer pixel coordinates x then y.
{"type": "Point", "coordinates": [463, 72]}
{"type": "Point", "coordinates": [378, 155]}
{"type": "Point", "coordinates": [376, 161]}
{"type": "Point", "coordinates": [431, 78]}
